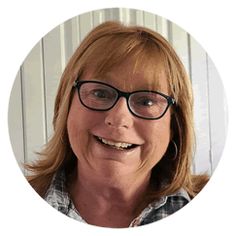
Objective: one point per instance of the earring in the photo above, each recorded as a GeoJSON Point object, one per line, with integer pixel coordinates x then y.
{"type": "Point", "coordinates": [176, 149]}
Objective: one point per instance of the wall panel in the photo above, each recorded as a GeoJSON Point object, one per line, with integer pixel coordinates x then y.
{"type": "Point", "coordinates": [53, 53]}
{"type": "Point", "coordinates": [162, 26]}
{"type": "Point", "coordinates": [149, 20]}
{"type": "Point", "coordinates": [33, 98]}
{"type": "Point", "coordinates": [16, 129]}
{"type": "Point", "coordinates": [179, 40]}
{"type": "Point", "coordinates": [85, 24]}
{"type": "Point", "coordinates": [201, 103]}
{"type": "Point", "coordinates": [98, 17]}
{"type": "Point", "coordinates": [217, 113]}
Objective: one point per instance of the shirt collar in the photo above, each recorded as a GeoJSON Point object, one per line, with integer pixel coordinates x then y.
{"type": "Point", "coordinates": [57, 194]}
{"type": "Point", "coordinates": [58, 197]}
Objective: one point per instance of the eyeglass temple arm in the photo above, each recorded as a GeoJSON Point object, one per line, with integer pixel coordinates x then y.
{"type": "Point", "coordinates": [75, 83]}
{"type": "Point", "coordinates": [171, 100]}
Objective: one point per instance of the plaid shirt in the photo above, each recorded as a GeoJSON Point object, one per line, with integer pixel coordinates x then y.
{"type": "Point", "coordinates": [58, 197]}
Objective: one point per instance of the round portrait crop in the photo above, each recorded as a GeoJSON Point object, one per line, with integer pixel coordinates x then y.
{"type": "Point", "coordinates": [123, 145]}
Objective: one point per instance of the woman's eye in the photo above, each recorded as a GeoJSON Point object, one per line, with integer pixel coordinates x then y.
{"type": "Point", "coordinates": [100, 93]}
{"type": "Point", "coordinates": [146, 102]}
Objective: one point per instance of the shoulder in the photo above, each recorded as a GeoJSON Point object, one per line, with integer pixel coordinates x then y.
{"type": "Point", "coordinates": [57, 195]}
{"type": "Point", "coordinates": [164, 207]}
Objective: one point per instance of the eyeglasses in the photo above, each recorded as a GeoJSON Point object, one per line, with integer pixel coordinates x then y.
{"type": "Point", "coordinates": [145, 104]}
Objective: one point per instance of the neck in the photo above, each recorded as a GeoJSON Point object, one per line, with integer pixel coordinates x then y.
{"type": "Point", "coordinates": [111, 202]}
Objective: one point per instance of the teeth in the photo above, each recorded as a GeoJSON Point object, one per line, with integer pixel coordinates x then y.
{"type": "Point", "coordinates": [117, 145]}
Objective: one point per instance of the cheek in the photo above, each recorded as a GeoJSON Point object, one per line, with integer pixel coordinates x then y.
{"type": "Point", "coordinates": [75, 133]}
{"type": "Point", "coordinates": [79, 123]}
{"type": "Point", "coordinates": [157, 139]}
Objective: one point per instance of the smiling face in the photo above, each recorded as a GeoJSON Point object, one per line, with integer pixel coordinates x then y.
{"type": "Point", "coordinates": [97, 137]}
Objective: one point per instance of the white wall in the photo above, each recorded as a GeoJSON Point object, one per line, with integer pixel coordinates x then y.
{"type": "Point", "coordinates": [33, 93]}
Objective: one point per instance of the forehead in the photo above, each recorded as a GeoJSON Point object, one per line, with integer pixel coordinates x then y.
{"type": "Point", "coordinates": [132, 75]}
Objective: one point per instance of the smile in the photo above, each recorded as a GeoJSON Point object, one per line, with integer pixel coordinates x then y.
{"type": "Point", "coordinates": [116, 145]}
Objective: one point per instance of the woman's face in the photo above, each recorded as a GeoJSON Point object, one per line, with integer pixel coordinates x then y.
{"type": "Point", "coordinates": [118, 125]}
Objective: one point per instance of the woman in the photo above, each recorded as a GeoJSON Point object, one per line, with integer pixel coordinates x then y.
{"type": "Point", "coordinates": [123, 136]}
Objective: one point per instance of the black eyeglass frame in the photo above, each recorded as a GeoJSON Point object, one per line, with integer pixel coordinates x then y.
{"type": "Point", "coordinates": [170, 101]}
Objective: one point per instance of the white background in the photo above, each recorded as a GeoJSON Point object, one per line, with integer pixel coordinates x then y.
{"type": "Point", "coordinates": [23, 23]}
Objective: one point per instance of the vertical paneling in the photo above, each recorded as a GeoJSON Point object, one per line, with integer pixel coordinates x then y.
{"type": "Point", "coordinates": [33, 103]}
{"type": "Point", "coordinates": [125, 15]}
{"type": "Point", "coordinates": [67, 37]}
{"type": "Point", "coordinates": [98, 17]}
{"type": "Point", "coordinates": [179, 40]}
{"type": "Point", "coordinates": [16, 125]}
{"type": "Point", "coordinates": [139, 18]}
{"type": "Point", "coordinates": [85, 24]}
{"type": "Point", "coordinates": [112, 14]}
{"type": "Point", "coordinates": [132, 20]}
{"type": "Point", "coordinates": [53, 61]}
{"type": "Point", "coordinates": [217, 113]}
{"type": "Point", "coordinates": [199, 77]}
{"type": "Point", "coordinates": [75, 32]}
{"type": "Point", "coordinates": [34, 90]}
{"type": "Point", "coordinates": [149, 20]}
{"type": "Point", "coordinates": [162, 26]}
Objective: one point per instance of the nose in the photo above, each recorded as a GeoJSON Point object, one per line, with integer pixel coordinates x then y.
{"type": "Point", "coordinates": [119, 116]}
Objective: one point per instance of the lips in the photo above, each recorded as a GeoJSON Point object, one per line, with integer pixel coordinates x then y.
{"type": "Point", "coordinates": [115, 145]}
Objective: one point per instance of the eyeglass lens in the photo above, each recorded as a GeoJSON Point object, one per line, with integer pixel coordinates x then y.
{"type": "Point", "coordinates": [102, 97]}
